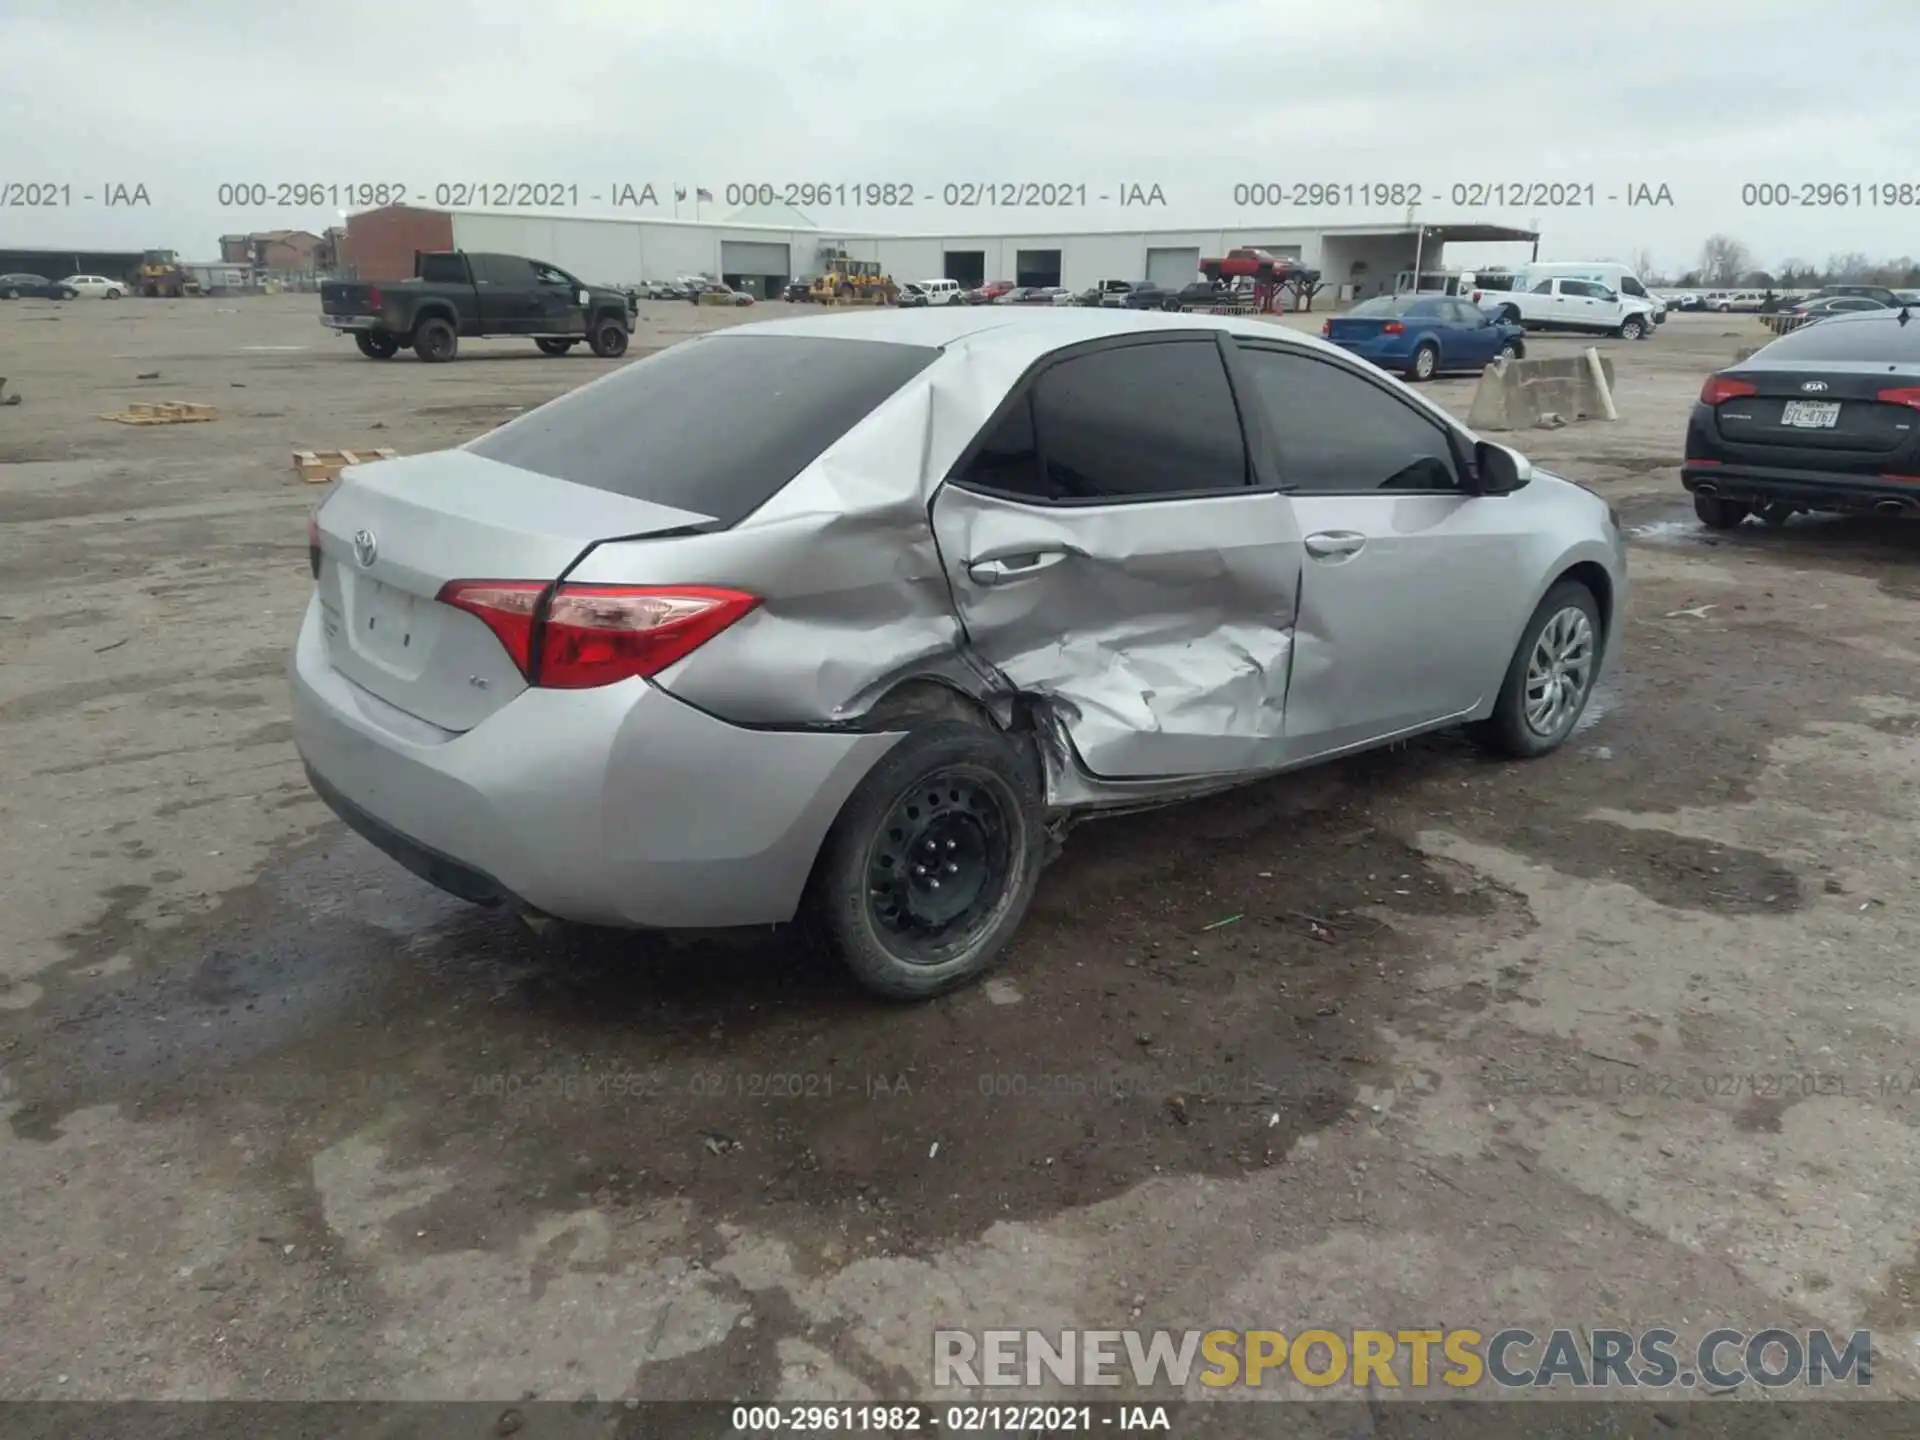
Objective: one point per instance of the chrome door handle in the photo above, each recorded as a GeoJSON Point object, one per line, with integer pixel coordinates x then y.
{"type": "Point", "coordinates": [998, 569]}
{"type": "Point", "coordinates": [1335, 544]}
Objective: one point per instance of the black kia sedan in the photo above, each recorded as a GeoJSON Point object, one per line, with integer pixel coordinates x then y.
{"type": "Point", "coordinates": [1826, 418]}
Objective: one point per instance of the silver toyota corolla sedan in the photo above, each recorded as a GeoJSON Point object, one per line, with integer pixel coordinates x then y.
{"type": "Point", "coordinates": [850, 617]}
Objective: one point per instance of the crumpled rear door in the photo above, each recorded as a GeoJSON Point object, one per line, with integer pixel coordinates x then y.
{"type": "Point", "coordinates": [1160, 634]}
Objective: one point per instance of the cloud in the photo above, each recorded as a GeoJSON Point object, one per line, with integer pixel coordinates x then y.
{"type": "Point", "coordinates": [1194, 98]}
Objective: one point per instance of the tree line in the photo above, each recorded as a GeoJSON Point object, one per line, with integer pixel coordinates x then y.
{"type": "Point", "coordinates": [1725, 260]}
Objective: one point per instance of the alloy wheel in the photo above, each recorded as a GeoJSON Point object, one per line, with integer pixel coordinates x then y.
{"type": "Point", "coordinates": [1559, 671]}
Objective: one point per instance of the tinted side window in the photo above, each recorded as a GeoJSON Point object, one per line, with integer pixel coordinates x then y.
{"type": "Point", "coordinates": [443, 269]}
{"type": "Point", "coordinates": [1545, 287]}
{"type": "Point", "coordinates": [1336, 433]}
{"type": "Point", "coordinates": [1009, 461]}
{"type": "Point", "coordinates": [1154, 419]}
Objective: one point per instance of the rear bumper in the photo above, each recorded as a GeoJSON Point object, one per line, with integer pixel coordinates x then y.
{"type": "Point", "coordinates": [1395, 356]}
{"type": "Point", "coordinates": [1815, 489]}
{"type": "Point", "coordinates": [618, 806]}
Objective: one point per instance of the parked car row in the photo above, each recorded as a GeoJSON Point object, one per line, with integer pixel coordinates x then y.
{"type": "Point", "coordinates": [1189, 556]}
{"type": "Point", "coordinates": [23, 286]}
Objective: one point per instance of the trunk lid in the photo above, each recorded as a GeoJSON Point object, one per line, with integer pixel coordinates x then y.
{"type": "Point", "coordinates": [1347, 328]}
{"type": "Point", "coordinates": [1840, 412]}
{"type": "Point", "coordinates": [395, 532]}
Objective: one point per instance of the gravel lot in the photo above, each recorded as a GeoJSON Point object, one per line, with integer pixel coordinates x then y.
{"type": "Point", "coordinates": [1623, 1036]}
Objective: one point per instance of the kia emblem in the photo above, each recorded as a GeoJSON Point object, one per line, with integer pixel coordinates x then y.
{"type": "Point", "coordinates": [1813, 385]}
{"type": "Point", "coordinates": [365, 547]}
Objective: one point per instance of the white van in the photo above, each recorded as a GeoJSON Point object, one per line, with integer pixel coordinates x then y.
{"type": "Point", "coordinates": [942, 292]}
{"type": "Point", "coordinates": [1610, 273]}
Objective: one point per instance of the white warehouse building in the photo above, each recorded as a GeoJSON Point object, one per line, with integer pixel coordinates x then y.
{"type": "Point", "coordinates": [749, 253]}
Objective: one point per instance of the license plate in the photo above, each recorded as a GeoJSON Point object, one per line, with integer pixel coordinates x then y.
{"type": "Point", "coordinates": [1811, 414]}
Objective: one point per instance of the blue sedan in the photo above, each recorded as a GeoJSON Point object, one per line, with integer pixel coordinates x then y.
{"type": "Point", "coordinates": [1419, 336]}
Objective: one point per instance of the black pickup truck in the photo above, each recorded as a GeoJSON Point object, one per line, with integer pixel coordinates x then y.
{"type": "Point", "coordinates": [455, 293]}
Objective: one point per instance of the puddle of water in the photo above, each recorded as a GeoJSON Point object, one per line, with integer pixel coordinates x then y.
{"type": "Point", "coordinates": [1602, 703]}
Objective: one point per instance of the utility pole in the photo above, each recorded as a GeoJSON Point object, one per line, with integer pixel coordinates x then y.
{"type": "Point", "coordinates": [1419, 243]}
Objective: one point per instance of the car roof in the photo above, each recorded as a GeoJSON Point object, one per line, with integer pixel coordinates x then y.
{"type": "Point", "coordinates": [1036, 330]}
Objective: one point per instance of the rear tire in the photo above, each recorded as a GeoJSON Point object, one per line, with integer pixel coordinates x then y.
{"type": "Point", "coordinates": [964, 799]}
{"type": "Point", "coordinates": [551, 346]}
{"type": "Point", "coordinates": [1718, 513]}
{"type": "Point", "coordinates": [376, 346]}
{"type": "Point", "coordinates": [1425, 363]}
{"type": "Point", "coordinates": [1550, 678]}
{"type": "Point", "coordinates": [609, 340]}
{"type": "Point", "coordinates": [436, 341]}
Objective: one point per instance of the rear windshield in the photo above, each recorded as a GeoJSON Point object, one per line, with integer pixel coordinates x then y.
{"type": "Point", "coordinates": [1843, 339]}
{"type": "Point", "coordinates": [716, 426]}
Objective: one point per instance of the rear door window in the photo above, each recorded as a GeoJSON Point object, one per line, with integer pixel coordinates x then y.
{"type": "Point", "coordinates": [717, 426]}
{"type": "Point", "coordinates": [443, 269]}
{"type": "Point", "coordinates": [1133, 421]}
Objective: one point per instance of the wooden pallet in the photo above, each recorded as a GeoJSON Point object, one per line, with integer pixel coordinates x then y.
{"type": "Point", "coordinates": [166, 412]}
{"type": "Point", "coordinates": [317, 467]}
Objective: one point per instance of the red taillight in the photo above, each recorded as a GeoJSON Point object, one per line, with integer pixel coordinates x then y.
{"type": "Point", "coordinates": [597, 634]}
{"type": "Point", "coordinates": [1476, 297]}
{"type": "Point", "coordinates": [1720, 387]}
{"type": "Point", "coordinates": [1393, 327]}
{"type": "Point", "coordinates": [1909, 396]}
{"type": "Point", "coordinates": [373, 296]}
{"type": "Point", "coordinates": [313, 542]}
{"type": "Point", "coordinates": [1326, 327]}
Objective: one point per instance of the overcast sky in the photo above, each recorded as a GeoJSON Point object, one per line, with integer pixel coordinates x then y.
{"type": "Point", "coordinates": [1195, 97]}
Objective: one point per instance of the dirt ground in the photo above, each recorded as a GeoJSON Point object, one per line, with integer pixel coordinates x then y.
{"type": "Point", "coordinates": [1624, 1036]}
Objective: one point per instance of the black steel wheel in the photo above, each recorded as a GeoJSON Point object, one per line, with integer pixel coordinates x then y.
{"type": "Point", "coordinates": [435, 341]}
{"type": "Point", "coordinates": [609, 340]}
{"type": "Point", "coordinates": [376, 344]}
{"type": "Point", "coordinates": [933, 861]}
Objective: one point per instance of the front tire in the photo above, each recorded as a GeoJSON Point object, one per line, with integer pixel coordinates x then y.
{"type": "Point", "coordinates": [609, 341]}
{"type": "Point", "coordinates": [1425, 363]}
{"type": "Point", "coordinates": [1550, 677]}
{"type": "Point", "coordinates": [1775, 517]}
{"type": "Point", "coordinates": [1512, 350]}
{"type": "Point", "coordinates": [549, 345]}
{"type": "Point", "coordinates": [436, 341]}
{"type": "Point", "coordinates": [376, 346]}
{"type": "Point", "coordinates": [1633, 328]}
{"type": "Point", "coordinates": [1718, 513]}
{"type": "Point", "coordinates": [932, 863]}
{"type": "Point", "coordinates": [115, 294]}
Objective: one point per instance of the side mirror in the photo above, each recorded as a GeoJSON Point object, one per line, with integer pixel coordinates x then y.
{"type": "Point", "coordinates": [1499, 470]}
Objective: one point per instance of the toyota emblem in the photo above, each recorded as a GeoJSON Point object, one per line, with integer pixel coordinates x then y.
{"type": "Point", "coordinates": [1813, 384]}
{"type": "Point", "coordinates": [365, 547]}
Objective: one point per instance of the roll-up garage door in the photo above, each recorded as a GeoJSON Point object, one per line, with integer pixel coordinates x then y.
{"type": "Point", "coordinates": [1173, 266]}
{"type": "Point", "coordinates": [753, 257]}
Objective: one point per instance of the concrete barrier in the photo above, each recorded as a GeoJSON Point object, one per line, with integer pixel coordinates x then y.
{"type": "Point", "coordinates": [1520, 394]}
